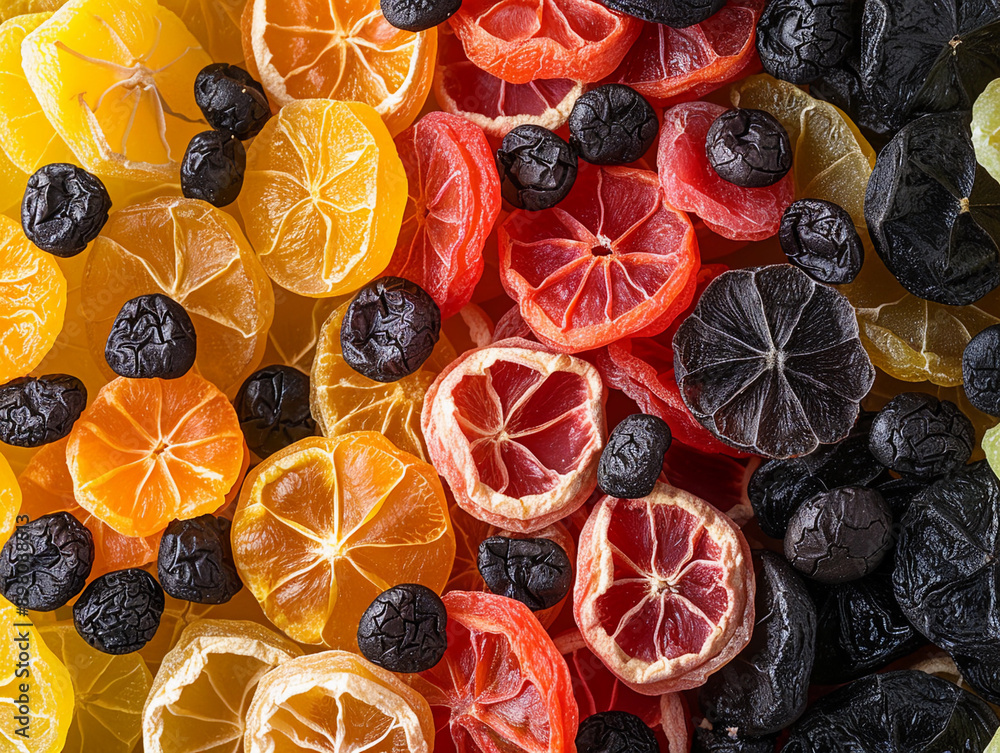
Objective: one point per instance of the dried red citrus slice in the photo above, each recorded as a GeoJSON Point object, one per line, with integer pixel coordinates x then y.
{"type": "Point", "coordinates": [502, 686]}
{"type": "Point", "coordinates": [664, 589]}
{"type": "Point", "coordinates": [453, 200]}
{"type": "Point", "coordinates": [470, 328]}
{"type": "Point", "coordinates": [720, 480]}
{"type": "Point", "coordinates": [612, 260]}
{"type": "Point", "coordinates": [517, 433]}
{"type": "Point", "coordinates": [690, 183]}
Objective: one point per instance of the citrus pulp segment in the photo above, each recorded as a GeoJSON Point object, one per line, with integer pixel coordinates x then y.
{"type": "Point", "coordinates": [10, 498]}
{"type": "Point", "coordinates": [294, 332]}
{"type": "Point", "coordinates": [13, 8]}
{"type": "Point", "coordinates": [986, 128]}
{"type": "Point", "coordinates": [215, 24]}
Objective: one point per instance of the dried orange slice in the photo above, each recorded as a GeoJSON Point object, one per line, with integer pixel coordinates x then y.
{"type": "Point", "coordinates": [215, 24]}
{"type": "Point", "coordinates": [10, 498]}
{"type": "Point", "coordinates": [376, 517]}
{"type": "Point", "coordinates": [177, 616]}
{"type": "Point", "coordinates": [294, 333]}
{"type": "Point", "coordinates": [13, 8]}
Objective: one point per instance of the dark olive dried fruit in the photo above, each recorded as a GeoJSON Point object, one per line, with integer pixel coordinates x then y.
{"type": "Point", "coordinates": [195, 561]}
{"type": "Point", "coordinates": [710, 740]}
{"type": "Point", "coordinates": [46, 562]}
{"type": "Point", "coordinates": [537, 168]}
{"type": "Point", "coordinates": [231, 100]}
{"type": "Point", "coordinates": [765, 688]}
{"type": "Point", "coordinates": [615, 732]}
{"type": "Point", "coordinates": [799, 40]}
{"type": "Point", "coordinates": [152, 337]}
{"type": "Point", "coordinates": [678, 14]}
{"type": "Point", "coordinates": [404, 629]}
{"type": "Point", "coordinates": [120, 612]}
{"type": "Point", "coordinates": [981, 370]}
{"type": "Point", "coordinates": [933, 212]}
{"type": "Point", "coordinates": [819, 238]}
{"type": "Point", "coordinates": [899, 493]}
{"type": "Point", "coordinates": [982, 673]}
{"type": "Point", "coordinates": [536, 572]}
{"type": "Point", "coordinates": [273, 408]}
{"type": "Point", "coordinates": [633, 456]}
{"type": "Point", "coordinates": [921, 436]}
{"type": "Point", "coordinates": [35, 411]}
{"type": "Point", "coordinates": [390, 329]}
{"type": "Point", "coordinates": [213, 167]}
{"type": "Point", "coordinates": [64, 208]}
{"type": "Point", "coordinates": [612, 125]}
{"type": "Point", "coordinates": [418, 15]}
{"type": "Point", "coordinates": [749, 148]}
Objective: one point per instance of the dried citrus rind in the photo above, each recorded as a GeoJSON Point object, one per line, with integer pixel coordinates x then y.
{"type": "Point", "coordinates": [10, 498]}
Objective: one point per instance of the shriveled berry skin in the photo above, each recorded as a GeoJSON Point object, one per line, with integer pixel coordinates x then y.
{"type": "Point", "coordinates": [35, 411]}
{"type": "Point", "coordinates": [633, 457]}
{"type": "Point", "coordinates": [231, 100]}
{"type": "Point", "coordinates": [800, 40]}
{"type": "Point", "coordinates": [612, 125]}
{"type": "Point", "coordinates": [64, 208]}
{"type": "Point", "coordinates": [120, 612]}
{"type": "Point", "coordinates": [46, 562]}
{"type": "Point", "coordinates": [195, 561]}
{"type": "Point", "coordinates": [982, 673]}
{"type": "Point", "coordinates": [615, 732]}
{"type": "Point", "coordinates": [213, 167]}
{"type": "Point", "coordinates": [981, 370]}
{"type": "Point", "coordinates": [418, 15]}
{"type": "Point", "coordinates": [678, 14]}
{"type": "Point", "coordinates": [919, 435]}
{"type": "Point", "coordinates": [273, 408]}
{"type": "Point", "coordinates": [537, 168]}
{"type": "Point", "coordinates": [404, 629]}
{"type": "Point", "coordinates": [719, 740]}
{"type": "Point", "coordinates": [390, 329]}
{"type": "Point", "coordinates": [536, 572]}
{"type": "Point", "coordinates": [819, 238]}
{"type": "Point", "coordinates": [749, 148]}
{"type": "Point", "coordinates": [151, 338]}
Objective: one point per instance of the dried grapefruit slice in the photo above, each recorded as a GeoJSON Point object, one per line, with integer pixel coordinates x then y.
{"type": "Point", "coordinates": [517, 433]}
{"type": "Point", "coordinates": [664, 589]}
{"type": "Point", "coordinates": [613, 259]}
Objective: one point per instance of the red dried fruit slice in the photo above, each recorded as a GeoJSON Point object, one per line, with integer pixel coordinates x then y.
{"type": "Point", "coordinates": [524, 40]}
{"type": "Point", "coordinates": [612, 260]}
{"type": "Point", "coordinates": [501, 687]}
{"type": "Point", "coordinates": [691, 183]}
{"type": "Point", "coordinates": [664, 589]}
{"type": "Point", "coordinates": [718, 479]}
{"type": "Point", "coordinates": [517, 433]}
{"type": "Point", "coordinates": [452, 202]}
{"type": "Point", "coordinates": [470, 328]}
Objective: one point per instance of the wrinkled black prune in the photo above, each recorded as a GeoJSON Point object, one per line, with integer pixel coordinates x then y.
{"type": "Point", "coordinates": [633, 456]}
{"type": "Point", "coordinates": [615, 732]}
{"type": "Point", "coordinates": [981, 370]}
{"type": "Point", "coordinates": [120, 612]}
{"type": "Point", "coordinates": [798, 40]}
{"type": "Point", "coordinates": [152, 337]}
{"type": "Point", "coordinates": [537, 168]}
{"type": "Point", "coordinates": [765, 688]}
{"type": "Point", "coordinates": [273, 408]}
{"type": "Point", "coordinates": [612, 125]}
{"type": "Point", "coordinates": [678, 14]}
{"type": "Point", "coordinates": [195, 561]}
{"type": "Point", "coordinates": [38, 410]}
{"type": "Point", "coordinates": [932, 212]}
{"type": "Point", "coordinates": [404, 629]}
{"type": "Point", "coordinates": [982, 673]}
{"type": "Point", "coordinates": [418, 15]}
{"type": "Point", "coordinates": [231, 100]}
{"type": "Point", "coordinates": [921, 436]}
{"type": "Point", "coordinates": [46, 562]}
{"type": "Point", "coordinates": [708, 740]}
{"type": "Point", "coordinates": [895, 712]}
{"type": "Point", "coordinates": [212, 168]}
{"type": "Point", "coordinates": [64, 208]}
{"type": "Point", "coordinates": [819, 238]}
{"type": "Point", "coordinates": [536, 572]}
{"type": "Point", "coordinates": [748, 148]}
{"type": "Point", "coordinates": [898, 493]}
{"type": "Point", "coordinates": [389, 329]}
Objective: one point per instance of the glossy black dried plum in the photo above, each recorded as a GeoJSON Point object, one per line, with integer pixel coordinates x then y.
{"type": "Point", "coordinates": [195, 561]}
{"type": "Point", "coordinates": [819, 238]}
{"type": "Point", "coordinates": [64, 208]}
{"type": "Point", "coordinates": [710, 740]}
{"type": "Point", "coordinates": [213, 167]}
{"type": "Point", "coordinates": [612, 125]}
{"type": "Point", "coordinates": [678, 14]}
{"type": "Point", "coordinates": [418, 15]}
{"type": "Point", "coordinates": [765, 688]}
{"type": "Point", "coordinates": [46, 562]}
{"type": "Point", "coordinates": [921, 436]}
{"type": "Point", "coordinates": [231, 100]}
{"type": "Point", "coordinates": [899, 493]}
{"type": "Point", "coordinates": [390, 329]}
{"type": "Point", "coordinates": [615, 732]}
{"type": "Point", "coordinates": [119, 613]}
{"type": "Point", "coordinates": [748, 148]}
{"type": "Point", "coordinates": [771, 362]}
{"type": "Point", "coordinates": [981, 370]}
{"type": "Point", "coordinates": [35, 411]}
{"type": "Point", "coordinates": [982, 673]}
{"type": "Point", "coordinates": [799, 40]}
{"type": "Point", "coordinates": [895, 712]}
{"type": "Point", "coordinates": [632, 459]}
{"type": "Point", "coordinates": [273, 408]}
{"type": "Point", "coordinates": [537, 168]}
{"type": "Point", "coordinates": [152, 337]}
{"type": "Point", "coordinates": [934, 212]}
{"type": "Point", "coordinates": [536, 572]}
{"type": "Point", "coordinates": [404, 629]}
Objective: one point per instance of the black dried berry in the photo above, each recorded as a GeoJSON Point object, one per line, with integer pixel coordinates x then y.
{"type": "Point", "coordinates": [982, 673]}
{"type": "Point", "coordinates": [800, 40]}
{"type": "Point", "coordinates": [273, 408]}
{"type": "Point", "coordinates": [819, 238]}
{"type": "Point", "coordinates": [390, 329]}
{"type": "Point", "coordinates": [418, 15]}
{"type": "Point", "coordinates": [213, 167]}
{"type": "Point", "coordinates": [615, 732]}
{"type": "Point", "coordinates": [46, 562]}
{"type": "Point", "coordinates": [38, 410]}
{"type": "Point", "coordinates": [633, 457]}
{"type": "Point", "coordinates": [152, 337]}
{"type": "Point", "coordinates": [231, 100]}
{"type": "Point", "coordinates": [711, 740]}
{"type": "Point", "coordinates": [921, 436]}
{"type": "Point", "coordinates": [900, 492]}
{"type": "Point", "coordinates": [195, 561]}
{"type": "Point", "coordinates": [120, 612]}
{"type": "Point", "coordinates": [404, 629]}
{"type": "Point", "coordinates": [678, 14]}
{"type": "Point", "coordinates": [536, 572]}
{"type": "Point", "coordinates": [981, 370]}
{"type": "Point", "coordinates": [64, 208]}
{"type": "Point", "coordinates": [612, 125]}
{"type": "Point", "coordinates": [537, 168]}
{"type": "Point", "coordinates": [749, 148]}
